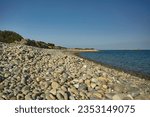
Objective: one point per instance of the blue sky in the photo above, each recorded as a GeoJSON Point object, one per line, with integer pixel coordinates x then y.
{"type": "Point", "coordinates": [101, 24]}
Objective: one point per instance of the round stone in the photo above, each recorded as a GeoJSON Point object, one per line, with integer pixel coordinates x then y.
{"type": "Point", "coordinates": [117, 97]}
{"type": "Point", "coordinates": [13, 98]}
{"type": "Point", "coordinates": [35, 96]}
{"type": "Point", "coordinates": [44, 85]}
{"type": "Point", "coordinates": [59, 96]}
{"type": "Point", "coordinates": [119, 88]}
{"type": "Point", "coordinates": [38, 79]}
{"type": "Point", "coordinates": [52, 97]}
{"type": "Point", "coordinates": [55, 85]}
{"type": "Point", "coordinates": [87, 82]}
{"type": "Point", "coordinates": [7, 74]}
{"type": "Point", "coordinates": [94, 80]}
{"type": "Point", "coordinates": [25, 89]}
{"type": "Point", "coordinates": [71, 98]}
{"type": "Point", "coordinates": [73, 90]}
{"type": "Point", "coordinates": [47, 96]}
{"type": "Point", "coordinates": [28, 97]}
{"type": "Point", "coordinates": [63, 80]}
{"type": "Point", "coordinates": [105, 86]}
{"type": "Point", "coordinates": [65, 96]}
{"type": "Point", "coordinates": [53, 91]}
{"type": "Point", "coordinates": [64, 88]}
{"type": "Point", "coordinates": [83, 86]}
{"type": "Point", "coordinates": [93, 85]}
{"type": "Point", "coordinates": [76, 85]}
{"type": "Point", "coordinates": [20, 97]}
{"type": "Point", "coordinates": [98, 95]}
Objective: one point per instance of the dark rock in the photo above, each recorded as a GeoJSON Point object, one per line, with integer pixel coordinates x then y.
{"type": "Point", "coordinates": [1, 78]}
{"type": "Point", "coordinates": [83, 86]}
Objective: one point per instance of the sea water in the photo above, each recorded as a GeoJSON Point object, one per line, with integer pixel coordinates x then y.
{"type": "Point", "coordinates": [137, 61]}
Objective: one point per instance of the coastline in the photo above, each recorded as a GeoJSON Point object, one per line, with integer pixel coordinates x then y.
{"type": "Point", "coordinates": [81, 50]}
{"type": "Point", "coordinates": [140, 75]}
{"type": "Point", "coordinates": [30, 73]}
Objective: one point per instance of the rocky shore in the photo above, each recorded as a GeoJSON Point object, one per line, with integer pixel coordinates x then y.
{"type": "Point", "coordinates": [30, 73]}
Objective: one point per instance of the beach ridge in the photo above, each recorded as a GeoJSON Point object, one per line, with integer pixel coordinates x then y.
{"type": "Point", "coordinates": [31, 73]}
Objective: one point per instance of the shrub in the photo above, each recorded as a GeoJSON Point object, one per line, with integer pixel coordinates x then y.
{"type": "Point", "coordinates": [9, 36]}
{"type": "Point", "coordinates": [12, 37]}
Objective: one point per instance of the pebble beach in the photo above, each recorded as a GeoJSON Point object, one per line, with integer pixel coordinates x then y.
{"type": "Point", "coordinates": [30, 73]}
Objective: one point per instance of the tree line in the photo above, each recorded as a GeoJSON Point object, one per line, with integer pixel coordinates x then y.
{"type": "Point", "coordinates": [13, 37]}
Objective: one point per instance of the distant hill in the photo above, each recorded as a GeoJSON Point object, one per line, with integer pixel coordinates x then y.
{"type": "Point", "coordinates": [13, 37]}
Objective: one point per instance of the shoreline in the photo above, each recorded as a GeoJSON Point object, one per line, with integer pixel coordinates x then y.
{"type": "Point", "coordinates": [30, 73]}
{"type": "Point", "coordinates": [140, 75]}
{"type": "Point", "coordinates": [81, 50]}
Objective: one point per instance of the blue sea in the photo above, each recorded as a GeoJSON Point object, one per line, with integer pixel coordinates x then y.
{"type": "Point", "coordinates": [136, 61]}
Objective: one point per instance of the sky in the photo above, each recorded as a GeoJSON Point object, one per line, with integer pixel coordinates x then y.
{"type": "Point", "coordinates": [100, 24]}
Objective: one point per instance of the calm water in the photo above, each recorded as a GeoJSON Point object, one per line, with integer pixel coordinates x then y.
{"type": "Point", "coordinates": [137, 61]}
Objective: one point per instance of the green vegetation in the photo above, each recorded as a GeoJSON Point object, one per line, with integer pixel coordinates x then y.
{"type": "Point", "coordinates": [9, 36]}
{"type": "Point", "coordinates": [40, 44]}
{"type": "Point", "coordinates": [13, 37]}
